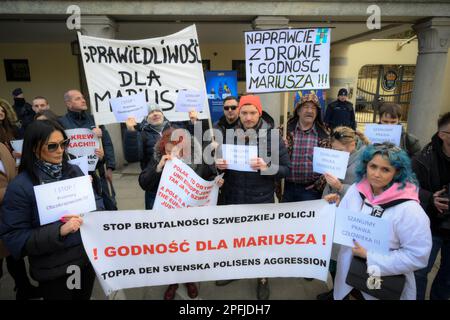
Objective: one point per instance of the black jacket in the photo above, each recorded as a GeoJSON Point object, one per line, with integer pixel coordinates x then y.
{"type": "Point", "coordinates": [254, 187]}
{"type": "Point", "coordinates": [340, 114]}
{"type": "Point", "coordinates": [25, 115]}
{"type": "Point", "coordinates": [49, 254]}
{"type": "Point", "coordinates": [432, 169]}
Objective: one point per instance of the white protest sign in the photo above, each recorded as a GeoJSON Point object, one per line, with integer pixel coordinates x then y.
{"type": "Point", "coordinates": [287, 60]}
{"type": "Point", "coordinates": [149, 248]}
{"type": "Point", "coordinates": [188, 100]}
{"type": "Point", "coordinates": [82, 163]}
{"type": "Point", "coordinates": [379, 133]}
{"type": "Point", "coordinates": [330, 161]}
{"type": "Point", "coordinates": [158, 67]}
{"type": "Point", "coordinates": [70, 196]}
{"type": "Point", "coordinates": [181, 187]}
{"type": "Point", "coordinates": [129, 106]}
{"type": "Point", "coordinates": [83, 142]}
{"type": "Point", "coordinates": [238, 156]}
{"type": "Point", "coordinates": [17, 146]}
{"type": "Point", "coordinates": [370, 232]}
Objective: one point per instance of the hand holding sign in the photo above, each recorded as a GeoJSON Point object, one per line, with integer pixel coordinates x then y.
{"type": "Point", "coordinates": [72, 224]}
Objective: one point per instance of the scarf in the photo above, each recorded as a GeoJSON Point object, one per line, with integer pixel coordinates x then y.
{"type": "Point", "coordinates": [409, 192]}
{"type": "Point", "coordinates": [52, 170]}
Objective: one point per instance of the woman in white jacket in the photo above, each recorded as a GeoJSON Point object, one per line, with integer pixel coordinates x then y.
{"type": "Point", "coordinates": [386, 188]}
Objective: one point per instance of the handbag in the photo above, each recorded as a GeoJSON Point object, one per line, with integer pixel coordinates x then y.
{"type": "Point", "coordinates": [383, 288]}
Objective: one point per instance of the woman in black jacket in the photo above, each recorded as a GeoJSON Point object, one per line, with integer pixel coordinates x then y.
{"type": "Point", "coordinates": [51, 248]}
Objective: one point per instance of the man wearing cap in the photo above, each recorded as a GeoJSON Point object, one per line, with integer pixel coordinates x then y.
{"type": "Point", "coordinates": [305, 131]}
{"type": "Point", "coordinates": [271, 165]}
{"type": "Point", "coordinates": [24, 111]}
{"type": "Point", "coordinates": [340, 112]}
{"type": "Point", "coordinates": [140, 140]}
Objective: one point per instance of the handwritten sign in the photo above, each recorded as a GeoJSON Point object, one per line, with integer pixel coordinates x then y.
{"type": "Point", "coordinates": [189, 100]}
{"type": "Point", "coordinates": [129, 106]}
{"type": "Point", "coordinates": [287, 60]}
{"type": "Point", "coordinates": [379, 133]}
{"type": "Point", "coordinates": [371, 232]}
{"type": "Point", "coordinates": [238, 156]}
{"type": "Point", "coordinates": [71, 196]}
{"type": "Point", "coordinates": [83, 142]}
{"type": "Point", "coordinates": [330, 161]}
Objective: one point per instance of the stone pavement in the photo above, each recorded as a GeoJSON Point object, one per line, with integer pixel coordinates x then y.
{"type": "Point", "coordinates": [130, 196]}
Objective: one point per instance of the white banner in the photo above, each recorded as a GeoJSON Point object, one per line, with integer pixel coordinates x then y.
{"type": "Point", "coordinates": [157, 67]}
{"type": "Point", "coordinates": [181, 187]}
{"type": "Point", "coordinates": [70, 196]}
{"type": "Point", "coordinates": [287, 60]}
{"type": "Point", "coordinates": [83, 142]}
{"type": "Point", "coordinates": [148, 248]}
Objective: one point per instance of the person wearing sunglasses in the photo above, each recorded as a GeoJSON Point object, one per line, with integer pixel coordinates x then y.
{"type": "Point", "coordinates": [230, 115]}
{"type": "Point", "coordinates": [351, 141]}
{"type": "Point", "coordinates": [432, 167]}
{"type": "Point", "coordinates": [54, 247]}
{"type": "Point", "coordinates": [385, 188]}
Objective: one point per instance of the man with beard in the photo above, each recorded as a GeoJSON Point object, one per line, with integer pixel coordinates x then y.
{"type": "Point", "coordinates": [24, 111]}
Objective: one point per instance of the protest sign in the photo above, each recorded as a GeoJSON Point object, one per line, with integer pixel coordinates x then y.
{"type": "Point", "coordinates": [17, 146]}
{"type": "Point", "coordinates": [82, 163]}
{"type": "Point", "coordinates": [287, 60]}
{"type": "Point", "coordinates": [83, 142]}
{"type": "Point", "coordinates": [158, 68]}
{"type": "Point", "coordinates": [148, 248]}
{"type": "Point", "coordinates": [330, 161]}
{"type": "Point", "coordinates": [181, 187]}
{"type": "Point", "coordinates": [238, 156]}
{"type": "Point", "coordinates": [70, 196]}
{"type": "Point", "coordinates": [371, 232]}
{"type": "Point", "coordinates": [189, 100]}
{"type": "Point", "coordinates": [130, 106]}
{"type": "Point", "coordinates": [379, 133]}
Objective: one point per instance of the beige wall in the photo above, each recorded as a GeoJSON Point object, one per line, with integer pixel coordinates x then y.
{"type": "Point", "coordinates": [53, 70]}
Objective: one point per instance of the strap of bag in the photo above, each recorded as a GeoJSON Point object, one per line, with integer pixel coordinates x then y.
{"type": "Point", "coordinates": [378, 210]}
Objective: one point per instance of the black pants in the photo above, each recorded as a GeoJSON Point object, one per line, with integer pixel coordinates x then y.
{"type": "Point", "coordinates": [18, 272]}
{"type": "Point", "coordinates": [57, 289]}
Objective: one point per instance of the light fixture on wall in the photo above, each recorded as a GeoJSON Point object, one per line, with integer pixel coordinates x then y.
{"type": "Point", "coordinates": [75, 46]}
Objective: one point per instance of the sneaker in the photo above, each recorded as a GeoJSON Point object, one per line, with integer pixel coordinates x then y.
{"type": "Point", "coordinates": [326, 295]}
{"type": "Point", "coordinates": [263, 289]}
{"type": "Point", "coordinates": [170, 292]}
{"type": "Point", "coordinates": [192, 290]}
{"type": "Point", "coordinates": [222, 283]}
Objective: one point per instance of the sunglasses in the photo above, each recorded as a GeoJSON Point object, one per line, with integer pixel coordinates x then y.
{"type": "Point", "coordinates": [338, 136]}
{"type": "Point", "coordinates": [230, 107]}
{"type": "Point", "coordinates": [52, 147]}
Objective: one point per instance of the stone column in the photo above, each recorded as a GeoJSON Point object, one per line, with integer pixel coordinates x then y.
{"type": "Point", "coordinates": [434, 40]}
{"type": "Point", "coordinates": [104, 27]}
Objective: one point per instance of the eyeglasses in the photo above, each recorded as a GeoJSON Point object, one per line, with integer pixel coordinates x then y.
{"type": "Point", "coordinates": [230, 107]}
{"type": "Point", "coordinates": [53, 146]}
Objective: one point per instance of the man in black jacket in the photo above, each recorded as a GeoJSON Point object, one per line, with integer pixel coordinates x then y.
{"type": "Point", "coordinates": [340, 112]}
{"type": "Point", "coordinates": [24, 111]}
{"type": "Point", "coordinates": [230, 115]}
{"type": "Point", "coordinates": [432, 167]}
{"type": "Point", "coordinates": [244, 187]}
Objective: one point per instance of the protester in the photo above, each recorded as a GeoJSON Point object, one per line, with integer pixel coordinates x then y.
{"type": "Point", "coordinates": [175, 143]}
{"type": "Point", "coordinates": [248, 187]}
{"type": "Point", "coordinates": [23, 110]}
{"type": "Point", "coordinates": [432, 167]}
{"type": "Point", "coordinates": [78, 117]}
{"type": "Point", "coordinates": [54, 247]}
{"type": "Point", "coordinates": [390, 113]}
{"type": "Point", "coordinates": [386, 188]}
{"type": "Point", "coordinates": [230, 115]}
{"type": "Point", "coordinates": [340, 112]}
{"type": "Point", "coordinates": [304, 132]}
{"type": "Point", "coordinates": [8, 131]}
{"type": "Point", "coordinates": [40, 104]}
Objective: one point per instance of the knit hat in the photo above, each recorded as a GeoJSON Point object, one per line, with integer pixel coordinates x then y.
{"type": "Point", "coordinates": [251, 99]}
{"type": "Point", "coordinates": [310, 97]}
{"type": "Point", "coordinates": [153, 108]}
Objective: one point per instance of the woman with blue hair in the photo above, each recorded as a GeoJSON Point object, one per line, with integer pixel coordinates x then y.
{"type": "Point", "coordinates": [385, 188]}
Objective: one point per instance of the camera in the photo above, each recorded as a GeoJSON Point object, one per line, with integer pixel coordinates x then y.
{"type": "Point", "coordinates": [445, 224]}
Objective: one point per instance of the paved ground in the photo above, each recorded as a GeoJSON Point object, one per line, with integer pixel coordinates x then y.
{"type": "Point", "coordinates": [130, 196]}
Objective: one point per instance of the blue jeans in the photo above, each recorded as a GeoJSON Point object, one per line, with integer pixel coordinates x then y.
{"type": "Point", "coordinates": [440, 289]}
{"type": "Point", "coordinates": [294, 192]}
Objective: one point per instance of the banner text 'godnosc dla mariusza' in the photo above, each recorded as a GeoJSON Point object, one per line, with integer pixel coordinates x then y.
{"type": "Point", "coordinates": [157, 67]}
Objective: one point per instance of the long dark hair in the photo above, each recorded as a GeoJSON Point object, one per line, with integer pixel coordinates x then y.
{"type": "Point", "coordinates": [36, 135]}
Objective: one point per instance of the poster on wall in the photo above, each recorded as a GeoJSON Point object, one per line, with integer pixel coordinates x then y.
{"type": "Point", "coordinates": [219, 85]}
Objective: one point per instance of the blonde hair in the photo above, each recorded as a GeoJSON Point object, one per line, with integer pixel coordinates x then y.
{"type": "Point", "coordinates": [346, 135]}
{"type": "Point", "coordinates": [9, 111]}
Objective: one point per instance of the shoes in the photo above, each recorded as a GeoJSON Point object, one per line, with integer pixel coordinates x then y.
{"type": "Point", "coordinates": [263, 289]}
{"type": "Point", "coordinates": [170, 292]}
{"type": "Point", "coordinates": [222, 283]}
{"type": "Point", "coordinates": [326, 296]}
{"type": "Point", "coordinates": [28, 293]}
{"type": "Point", "coordinates": [192, 290]}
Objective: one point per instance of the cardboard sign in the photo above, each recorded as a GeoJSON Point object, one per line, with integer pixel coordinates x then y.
{"type": "Point", "coordinates": [83, 142]}
{"type": "Point", "coordinates": [330, 161]}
